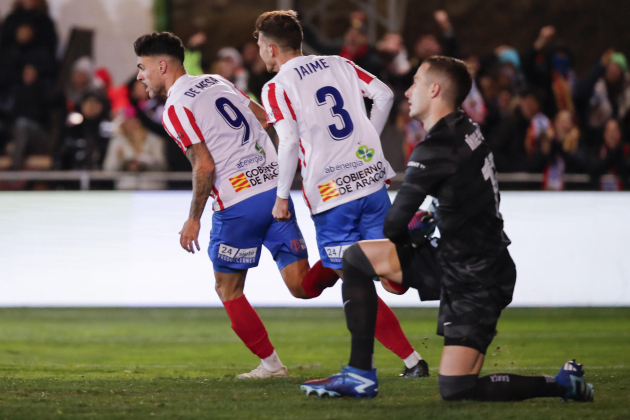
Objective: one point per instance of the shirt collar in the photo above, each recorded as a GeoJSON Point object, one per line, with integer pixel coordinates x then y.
{"type": "Point", "coordinates": [447, 121]}
{"type": "Point", "coordinates": [293, 59]}
{"type": "Point", "coordinates": [179, 81]}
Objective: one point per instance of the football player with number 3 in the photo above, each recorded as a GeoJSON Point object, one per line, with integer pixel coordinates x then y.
{"type": "Point", "coordinates": [221, 131]}
{"type": "Point", "coordinates": [316, 104]}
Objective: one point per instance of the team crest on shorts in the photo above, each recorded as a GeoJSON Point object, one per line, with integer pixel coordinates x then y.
{"type": "Point", "coordinates": [240, 182]}
{"type": "Point", "coordinates": [298, 245]}
{"type": "Point", "coordinates": [328, 191]}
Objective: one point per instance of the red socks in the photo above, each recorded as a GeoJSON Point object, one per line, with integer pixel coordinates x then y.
{"type": "Point", "coordinates": [247, 325]}
{"type": "Point", "coordinates": [398, 288]}
{"type": "Point", "coordinates": [389, 333]}
{"type": "Point", "coordinates": [317, 279]}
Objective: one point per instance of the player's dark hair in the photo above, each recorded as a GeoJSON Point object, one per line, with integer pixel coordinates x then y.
{"type": "Point", "coordinates": [159, 43]}
{"type": "Point", "coordinates": [282, 27]}
{"type": "Point", "coordinates": [456, 72]}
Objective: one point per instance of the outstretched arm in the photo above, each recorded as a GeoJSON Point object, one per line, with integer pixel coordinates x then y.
{"type": "Point", "coordinates": [203, 181]}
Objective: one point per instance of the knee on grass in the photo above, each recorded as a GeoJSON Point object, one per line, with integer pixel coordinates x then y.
{"type": "Point", "coordinates": [457, 388]}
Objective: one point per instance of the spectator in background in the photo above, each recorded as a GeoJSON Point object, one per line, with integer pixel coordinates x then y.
{"type": "Point", "coordinates": [118, 96]}
{"type": "Point", "coordinates": [612, 160]}
{"type": "Point", "coordinates": [605, 93]}
{"type": "Point", "coordinates": [193, 58]}
{"type": "Point", "coordinates": [509, 70]}
{"type": "Point", "coordinates": [397, 66]}
{"type": "Point", "coordinates": [429, 44]}
{"type": "Point", "coordinates": [412, 129]}
{"type": "Point", "coordinates": [149, 112]}
{"type": "Point", "coordinates": [474, 104]}
{"type": "Point", "coordinates": [256, 70]}
{"type": "Point", "coordinates": [230, 66]}
{"type": "Point", "coordinates": [134, 149]}
{"type": "Point", "coordinates": [561, 152]}
{"type": "Point", "coordinates": [31, 101]}
{"type": "Point", "coordinates": [87, 133]}
{"type": "Point", "coordinates": [355, 45]}
{"type": "Point", "coordinates": [548, 67]}
{"type": "Point", "coordinates": [516, 143]}
{"type": "Point", "coordinates": [498, 110]}
{"type": "Point", "coordinates": [81, 83]}
{"type": "Point", "coordinates": [27, 36]}
{"type": "Point", "coordinates": [539, 130]}
{"type": "Point", "coordinates": [30, 24]}
{"type": "Point", "coordinates": [569, 138]}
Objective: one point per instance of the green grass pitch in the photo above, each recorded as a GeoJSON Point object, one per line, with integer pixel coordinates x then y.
{"type": "Point", "coordinates": [181, 364]}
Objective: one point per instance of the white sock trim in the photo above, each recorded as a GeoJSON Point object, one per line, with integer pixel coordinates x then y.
{"type": "Point", "coordinates": [272, 363]}
{"type": "Point", "coordinates": [412, 359]}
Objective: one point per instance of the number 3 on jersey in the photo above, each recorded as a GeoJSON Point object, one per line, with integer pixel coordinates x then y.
{"type": "Point", "coordinates": [329, 93]}
{"type": "Point", "coordinates": [236, 121]}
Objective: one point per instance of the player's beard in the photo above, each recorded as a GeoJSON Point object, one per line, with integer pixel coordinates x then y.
{"type": "Point", "coordinates": [155, 91]}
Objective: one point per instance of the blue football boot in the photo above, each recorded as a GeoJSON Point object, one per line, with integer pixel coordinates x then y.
{"type": "Point", "coordinates": [571, 376]}
{"type": "Point", "coordinates": [350, 382]}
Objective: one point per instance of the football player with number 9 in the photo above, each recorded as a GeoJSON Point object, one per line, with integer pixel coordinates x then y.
{"type": "Point", "coordinates": [221, 131]}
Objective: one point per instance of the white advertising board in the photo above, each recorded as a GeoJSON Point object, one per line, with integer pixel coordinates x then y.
{"type": "Point", "coordinates": [122, 249]}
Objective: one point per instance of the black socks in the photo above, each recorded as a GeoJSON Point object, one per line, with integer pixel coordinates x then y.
{"type": "Point", "coordinates": [360, 303]}
{"type": "Point", "coordinates": [498, 387]}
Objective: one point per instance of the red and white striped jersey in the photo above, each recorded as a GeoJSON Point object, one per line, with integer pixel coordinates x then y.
{"type": "Point", "coordinates": [341, 157]}
{"type": "Point", "coordinates": [210, 109]}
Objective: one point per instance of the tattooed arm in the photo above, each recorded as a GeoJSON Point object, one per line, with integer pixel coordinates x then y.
{"type": "Point", "coordinates": [203, 181]}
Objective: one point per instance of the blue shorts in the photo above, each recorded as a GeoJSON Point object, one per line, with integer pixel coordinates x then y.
{"type": "Point", "coordinates": [239, 231]}
{"type": "Point", "coordinates": [338, 228]}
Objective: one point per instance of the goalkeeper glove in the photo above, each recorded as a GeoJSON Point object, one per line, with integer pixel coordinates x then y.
{"type": "Point", "coordinates": [421, 227]}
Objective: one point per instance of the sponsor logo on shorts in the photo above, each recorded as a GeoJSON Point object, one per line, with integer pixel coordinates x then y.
{"type": "Point", "coordinates": [236, 255]}
{"type": "Point", "coordinates": [298, 245]}
{"type": "Point", "coordinates": [240, 182]}
{"type": "Point", "coordinates": [335, 253]}
{"type": "Point", "coordinates": [328, 191]}
{"type": "Point", "coordinates": [365, 153]}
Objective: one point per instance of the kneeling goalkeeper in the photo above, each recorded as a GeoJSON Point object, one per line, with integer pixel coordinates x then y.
{"type": "Point", "coordinates": [469, 269]}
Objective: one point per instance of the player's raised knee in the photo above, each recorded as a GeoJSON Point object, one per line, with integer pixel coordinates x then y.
{"type": "Point", "coordinates": [297, 291]}
{"type": "Point", "coordinates": [355, 259]}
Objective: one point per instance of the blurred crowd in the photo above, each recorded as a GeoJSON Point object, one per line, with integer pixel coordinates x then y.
{"type": "Point", "coordinates": [533, 109]}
